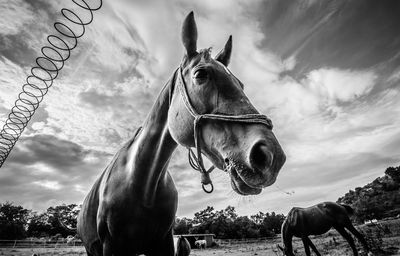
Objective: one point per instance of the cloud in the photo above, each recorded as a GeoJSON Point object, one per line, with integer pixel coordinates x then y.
{"type": "Point", "coordinates": [43, 163]}
{"type": "Point", "coordinates": [48, 184]}
{"type": "Point", "coordinates": [48, 149]}
{"type": "Point", "coordinates": [318, 34]}
{"type": "Point", "coordinates": [341, 85]}
{"type": "Point", "coordinates": [330, 89]}
{"type": "Point", "coordinates": [14, 16]}
{"type": "Point", "coordinates": [12, 77]}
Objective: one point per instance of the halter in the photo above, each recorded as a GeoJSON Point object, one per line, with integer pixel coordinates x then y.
{"type": "Point", "coordinates": [196, 162]}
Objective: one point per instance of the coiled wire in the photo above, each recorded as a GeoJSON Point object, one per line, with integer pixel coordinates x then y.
{"type": "Point", "coordinates": [46, 70]}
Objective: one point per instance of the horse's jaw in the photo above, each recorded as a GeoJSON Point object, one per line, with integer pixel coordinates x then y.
{"type": "Point", "coordinates": [240, 186]}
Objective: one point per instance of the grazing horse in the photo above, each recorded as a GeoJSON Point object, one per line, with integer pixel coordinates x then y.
{"type": "Point", "coordinates": [201, 244]}
{"type": "Point", "coordinates": [317, 220]}
{"type": "Point", "coordinates": [131, 207]}
{"type": "Point", "coordinates": [182, 247]}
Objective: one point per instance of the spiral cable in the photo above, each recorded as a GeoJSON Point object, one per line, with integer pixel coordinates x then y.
{"type": "Point", "coordinates": [42, 75]}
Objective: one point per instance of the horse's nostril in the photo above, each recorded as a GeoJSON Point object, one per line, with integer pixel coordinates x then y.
{"type": "Point", "coordinates": [260, 157]}
{"type": "Point", "coordinates": [226, 160]}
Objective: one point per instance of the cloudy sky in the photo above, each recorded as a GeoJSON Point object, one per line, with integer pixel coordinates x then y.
{"type": "Point", "coordinates": [325, 72]}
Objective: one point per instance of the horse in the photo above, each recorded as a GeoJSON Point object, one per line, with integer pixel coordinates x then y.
{"type": "Point", "coordinates": [131, 207]}
{"type": "Point", "coordinates": [201, 244]}
{"type": "Point", "coordinates": [317, 220]}
{"type": "Point", "coordinates": [182, 247]}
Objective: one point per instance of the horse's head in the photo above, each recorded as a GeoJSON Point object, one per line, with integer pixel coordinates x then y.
{"type": "Point", "coordinates": [228, 128]}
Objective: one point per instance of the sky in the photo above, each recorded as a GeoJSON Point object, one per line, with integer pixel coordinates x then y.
{"type": "Point", "coordinates": [325, 72]}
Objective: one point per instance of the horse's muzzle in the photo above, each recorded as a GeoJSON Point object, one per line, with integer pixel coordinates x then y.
{"type": "Point", "coordinates": [259, 169]}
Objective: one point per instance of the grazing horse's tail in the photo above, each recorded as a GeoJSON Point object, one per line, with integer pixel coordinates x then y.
{"type": "Point", "coordinates": [349, 209]}
{"type": "Point", "coordinates": [183, 247]}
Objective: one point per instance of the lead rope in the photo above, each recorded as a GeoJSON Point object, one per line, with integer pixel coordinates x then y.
{"type": "Point", "coordinates": [196, 162]}
{"type": "Point", "coordinates": [205, 175]}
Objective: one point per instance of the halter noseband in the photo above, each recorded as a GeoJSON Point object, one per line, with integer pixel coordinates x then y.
{"type": "Point", "coordinates": [196, 162]}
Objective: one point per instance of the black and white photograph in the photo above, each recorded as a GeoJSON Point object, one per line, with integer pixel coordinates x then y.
{"type": "Point", "coordinates": [203, 128]}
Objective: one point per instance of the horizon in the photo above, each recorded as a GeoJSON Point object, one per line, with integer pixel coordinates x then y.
{"type": "Point", "coordinates": [215, 209]}
{"type": "Point", "coordinates": [330, 89]}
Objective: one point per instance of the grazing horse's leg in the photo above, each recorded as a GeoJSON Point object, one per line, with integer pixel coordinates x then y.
{"type": "Point", "coordinates": [306, 247]}
{"type": "Point", "coordinates": [349, 239]}
{"type": "Point", "coordinates": [310, 243]}
{"type": "Point", "coordinates": [357, 234]}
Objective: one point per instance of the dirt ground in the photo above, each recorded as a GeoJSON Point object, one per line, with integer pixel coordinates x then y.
{"type": "Point", "coordinates": [385, 239]}
{"type": "Point", "coordinates": [226, 250]}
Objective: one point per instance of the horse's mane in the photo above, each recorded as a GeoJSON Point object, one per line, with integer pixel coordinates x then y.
{"type": "Point", "coordinates": [204, 53]}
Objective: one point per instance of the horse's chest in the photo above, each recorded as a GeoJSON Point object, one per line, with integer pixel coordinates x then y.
{"type": "Point", "coordinates": [134, 218]}
{"type": "Point", "coordinates": [137, 227]}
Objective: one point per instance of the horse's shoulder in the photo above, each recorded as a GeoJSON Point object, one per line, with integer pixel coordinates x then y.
{"type": "Point", "coordinates": [294, 209]}
{"type": "Point", "coordinates": [327, 205]}
{"type": "Point", "coordinates": [121, 158]}
{"type": "Point", "coordinates": [294, 215]}
{"type": "Point", "coordinates": [118, 162]}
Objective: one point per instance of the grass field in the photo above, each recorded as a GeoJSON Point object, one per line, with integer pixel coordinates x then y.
{"type": "Point", "coordinates": [383, 238]}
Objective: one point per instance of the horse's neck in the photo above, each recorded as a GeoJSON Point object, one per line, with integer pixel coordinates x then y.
{"type": "Point", "coordinates": [152, 149]}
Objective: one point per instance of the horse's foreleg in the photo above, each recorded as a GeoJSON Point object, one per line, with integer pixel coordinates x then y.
{"type": "Point", "coordinates": [310, 243]}
{"type": "Point", "coordinates": [349, 239]}
{"type": "Point", "coordinates": [88, 253]}
{"type": "Point", "coordinates": [359, 236]}
{"type": "Point", "coordinates": [166, 248]}
{"type": "Point", "coordinates": [306, 247]}
{"type": "Point", "coordinates": [107, 247]}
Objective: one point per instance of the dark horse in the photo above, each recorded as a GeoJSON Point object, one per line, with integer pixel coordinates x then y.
{"type": "Point", "coordinates": [131, 208]}
{"type": "Point", "coordinates": [317, 220]}
{"type": "Point", "coordinates": [182, 247]}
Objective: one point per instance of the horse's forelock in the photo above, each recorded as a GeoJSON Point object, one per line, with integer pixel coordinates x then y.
{"type": "Point", "coordinates": [206, 53]}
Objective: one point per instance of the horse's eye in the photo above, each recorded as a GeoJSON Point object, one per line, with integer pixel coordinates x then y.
{"type": "Point", "coordinates": [200, 75]}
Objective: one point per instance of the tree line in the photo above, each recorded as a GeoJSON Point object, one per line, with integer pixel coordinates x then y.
{"type": "Point", "coordinates": [227, 224]}
{"type": "Point", "coordinates": [17, 222]}
{"type": "Point", "coordinates": [376, 200]}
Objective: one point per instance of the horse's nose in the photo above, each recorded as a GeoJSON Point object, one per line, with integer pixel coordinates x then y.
{"type": "Point", "coordinates": [260, 157]}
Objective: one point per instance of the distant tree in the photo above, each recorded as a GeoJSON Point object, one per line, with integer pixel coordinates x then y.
{"type": "Point", "coordinates": [244, 227]}
{"type": "Point", "coordinates": [13, 221]}
{"type": "Point", "coordinates": [270, 224]}
{"type": "Point", "coordinates": [230, 213]}
{"type": "Point", "coordinates": [273, 222]}
{"type": "Point", "coordinates": [182, 226]}
{"type": "Point", "coordinates": [38, 225]}
{"type": "Point", "coordinates": [204, 216]}
{"type": "Point", "coordinates": [258, 218]}
{"type": "Point", "coordinates": [376, 200]}
{"type": "Point", "coordinates": [221, 225]}
{"type": "Point", "coordinates": [67, 214]}
{"type": "Point", "coordinates": [202, 221]}
{"type": "Point", "coordinates": [394, 173]}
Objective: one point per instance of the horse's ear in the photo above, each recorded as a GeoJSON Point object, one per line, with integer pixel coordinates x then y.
{"type": "Point", "coordinates": [189, 35]}
{"type": "Point", "coordinates": [224, 55]}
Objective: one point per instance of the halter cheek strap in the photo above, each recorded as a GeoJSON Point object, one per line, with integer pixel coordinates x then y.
{"type": "Point", "coordinates": [196, 161]}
